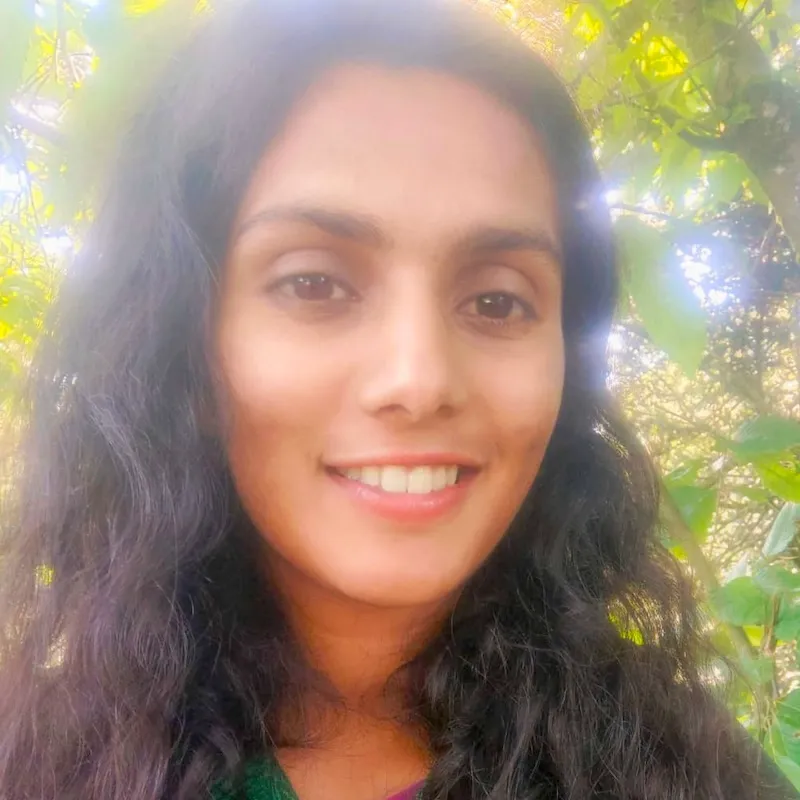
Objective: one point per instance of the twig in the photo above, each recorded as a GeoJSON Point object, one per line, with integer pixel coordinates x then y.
{"type": "Point", "coordinates": [36, 127]}
{"type": "Point", "coordinates": [62, 41]}
{"type": "Point", "coordinates": [643, 212]}
{"type": "Point", "coordinates": [668, 115]}
{"type": "Point", "coordinates": [702, 91]}
{"type": "Point", "coordinates": [746, 25]}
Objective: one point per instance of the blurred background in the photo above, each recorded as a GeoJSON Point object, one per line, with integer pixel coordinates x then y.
{"type": "Point", "coordinates": [694, 109]}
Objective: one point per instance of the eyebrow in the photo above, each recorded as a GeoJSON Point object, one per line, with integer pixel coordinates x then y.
{"type": "Point", "coordinates": [343, 225]}
{"type": "Point", "coordinates": [489, 240]}
{"type": "Point", "coordinates": [480, 242]}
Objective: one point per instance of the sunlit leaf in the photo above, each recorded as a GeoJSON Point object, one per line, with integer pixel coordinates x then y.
{"type": "Point", "coordinates": [788, 709]}
{"type": "Point", "coordinates": [765, 436]}
{"type": "Point", "coordinates": [136, 7]}
{"type": "Point", "coordinates": [686, 474]}
{"type": "Point", "coordinates": [680, 167]}
{"type": "Point", "coordinates": [759, 670]}
{"type": "Point", "coordinates": [787, 627]}
{"type": "Point", "coordinates": [726, 179]}
{"type": "Point", "coordinates": [696, 505]}
{"type": "Point", "coordinates": [781, 478]}
{"type": "Point", "coordinates": [741, 602]}
{"type": "Point", "coordinates": [783, 531]}
{"type": "Point", "coordinates": [722, 11]}
{"type": "Point", "coordinates": [754, 633]}
{"type": "Point", "coordinates": [666, 304]}
{"type": "Point", "coordinates": [775, 579]}
{"type": "Point", "coordinates": [790, 768]}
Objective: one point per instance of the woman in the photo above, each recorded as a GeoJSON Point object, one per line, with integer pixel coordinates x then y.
{"type": "Point", "coordinates": [321, 456]}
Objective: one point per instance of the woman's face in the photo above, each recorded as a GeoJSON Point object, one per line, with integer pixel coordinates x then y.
{"type": "Point", "coordinates": [389, 333]}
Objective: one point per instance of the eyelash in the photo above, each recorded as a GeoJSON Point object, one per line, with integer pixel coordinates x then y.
{"type": "Point", "coordinates": [315, 280]}
{"type": "Point", "coordinates": [312, 280]}
{"type": "Point", "coordinates": [527, 312]}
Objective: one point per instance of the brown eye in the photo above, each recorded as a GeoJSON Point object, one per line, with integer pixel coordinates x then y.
{"type": "Point", "coordinates": [501, 306]}
{"type": "Point", "coordinates": [314, 288]}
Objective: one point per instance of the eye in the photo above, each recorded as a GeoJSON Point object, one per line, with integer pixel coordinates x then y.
{"type": "Point", "coordinates": [499, 308]}
{"type": "Point", "coordinates": [313, 287]}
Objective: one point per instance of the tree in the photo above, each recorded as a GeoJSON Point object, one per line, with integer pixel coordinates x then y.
{"type": "Point", "coordinates": [695, 108]}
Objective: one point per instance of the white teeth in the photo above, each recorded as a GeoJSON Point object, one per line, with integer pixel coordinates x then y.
{"type": "Point", "coordinates": [414, 480]}
{"type": "Point", "coordinates": [371, 476]}
{"type": "Point", "coordinates": [394, 479]}
{"type": "Point", "coordinates": [420, 480]}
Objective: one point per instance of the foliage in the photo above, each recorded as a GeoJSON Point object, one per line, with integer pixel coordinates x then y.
{"type": "Point", "coordinates": [695, 113]}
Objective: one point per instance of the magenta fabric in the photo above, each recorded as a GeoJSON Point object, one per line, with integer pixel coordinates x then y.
{"type": "Point", "coordinates": [407, 794]}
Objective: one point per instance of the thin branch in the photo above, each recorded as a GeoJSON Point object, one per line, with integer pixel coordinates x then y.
{"type": "Point", "coordinates": [746, 25]}
{"type": "Point", "coordinates": [701, 90]}
{"type": "Point", "coordinates": [668, 115]}
{"type": "Point", "coordinates": [61, 41]}
{"type": "Point", "coordinates": [36, 127]}
{"type": "Point", "coordinates": [643, 212]}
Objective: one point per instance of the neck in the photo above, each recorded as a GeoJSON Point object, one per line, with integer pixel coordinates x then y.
{"type": "Point", "coordinates": [358, 647]}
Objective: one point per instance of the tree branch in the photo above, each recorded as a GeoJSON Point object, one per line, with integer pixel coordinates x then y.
{"type": "Point", "coordinates": [36, 127]}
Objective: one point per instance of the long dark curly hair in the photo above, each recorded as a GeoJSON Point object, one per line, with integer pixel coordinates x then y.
{"type": "Point", "coordinates": [153, 663]}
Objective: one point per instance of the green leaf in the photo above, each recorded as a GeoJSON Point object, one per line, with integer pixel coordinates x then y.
{"type": "Point", "coordinates": [721, 11]}
{"type": "Point", "coordinates": [755, 493]}
{"type": "Point", "coordinates": [754, 633]}
{"type": "Point", "coordinates": [789, 768]}
{"type": "Point", "coordinates": [726, 179]}
{"type": "Point", "coordinates": [787, 628]}
{"type": "Point", "coordinates": [680, 167]}
{"type": "Point", "coordinates": [781, 478]}
{"type": "Point", "coordinates": [765, 436]}
{"type": "Point", "coordinates": [759, 670]}
{"type": "Point", "coordinates": [757, 190]}
{"type": "Point", "coordinates": [697, 505]}
{"type": "Point", "coordinates": [640, 165]}
{"type": "Point", "coordinates": [740, 113]}
{"type": "Point", "coordinates": [783, 531]}
{"type": "Point", "coordinates": [142, 6]}
{"type": "Point", "coordinates": [670, 311]}
{"type": "Point", "coordinates": [788, 709]}
{"type": "Point", "coordinates": [686, 474]}
{"type": "Point", "coordinates": [17, 24]}
{"type": "Point", "coordinates": [784, 738]}
{"type": "Point", "coordinates": [775, 579]}
{"type": "Point", "coordinates": [741, 602]}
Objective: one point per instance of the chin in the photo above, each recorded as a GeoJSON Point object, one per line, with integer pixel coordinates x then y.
{"type": "Point", "coordinates": [399, 590]}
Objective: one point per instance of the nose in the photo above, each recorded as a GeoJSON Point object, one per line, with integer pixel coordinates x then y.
{"type": "Point", "coordinates": [414, 374]}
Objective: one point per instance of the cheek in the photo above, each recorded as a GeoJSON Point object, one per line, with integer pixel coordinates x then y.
{"type": "Point", "coordinates": [273, 382]}
{"type": "Point", "coordinates": [524, 397]}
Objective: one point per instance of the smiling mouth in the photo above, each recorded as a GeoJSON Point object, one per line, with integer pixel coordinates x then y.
{"type": "Point", "coordinates": [394, 479]}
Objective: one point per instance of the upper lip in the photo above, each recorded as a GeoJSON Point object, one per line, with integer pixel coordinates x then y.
{"type": "Point", "coordinates": [406, 460]}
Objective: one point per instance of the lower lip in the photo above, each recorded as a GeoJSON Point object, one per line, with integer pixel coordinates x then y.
{"type": "Point", "coordinates": [404, 506]}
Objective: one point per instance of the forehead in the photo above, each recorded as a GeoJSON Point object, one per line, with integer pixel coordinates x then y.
{"type": "Point", "coordinates": [417, 149]}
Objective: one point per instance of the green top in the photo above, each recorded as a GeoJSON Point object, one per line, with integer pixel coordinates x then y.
{"type": "Point", "coordinates": [263, 780]}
